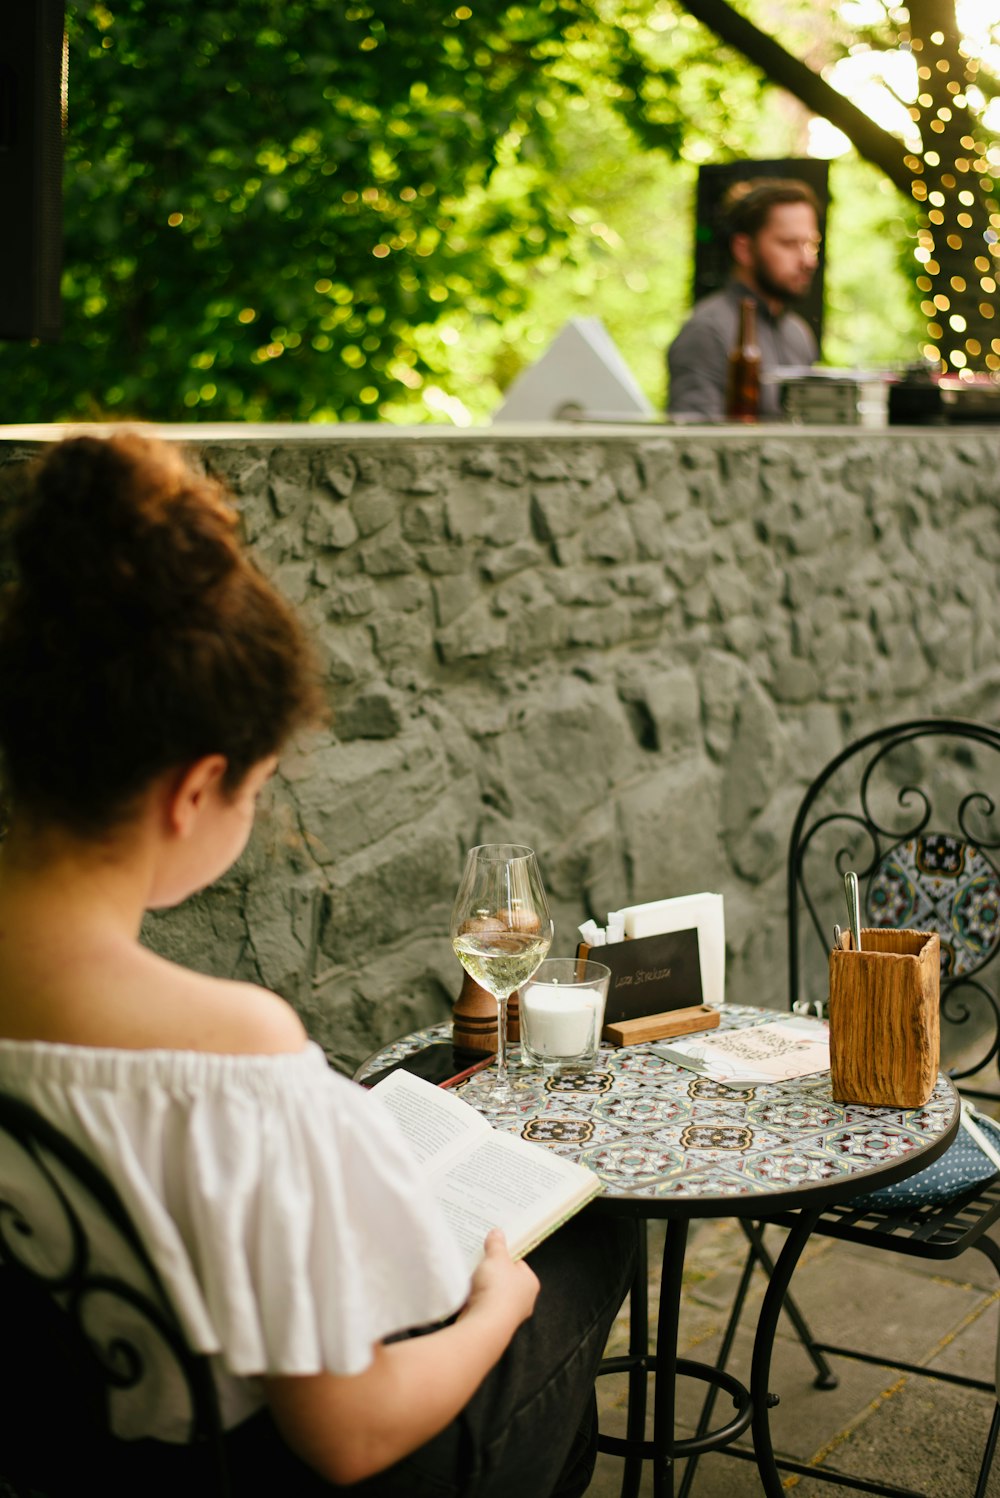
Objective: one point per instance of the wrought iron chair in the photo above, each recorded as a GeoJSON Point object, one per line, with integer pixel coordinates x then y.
{"type": "Point", "coordinates": [913, 808]}
{"type": "Point", "coordinates": [88, 1331]}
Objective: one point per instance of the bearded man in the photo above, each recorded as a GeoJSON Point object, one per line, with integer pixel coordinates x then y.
{"type": "Point", "coordinates": [774, 240]}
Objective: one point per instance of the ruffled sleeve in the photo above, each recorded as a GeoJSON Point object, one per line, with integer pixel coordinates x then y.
{"type": "Point", "coordinates": [280, 1204]}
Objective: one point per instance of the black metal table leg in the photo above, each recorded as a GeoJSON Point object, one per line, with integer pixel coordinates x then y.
{"type": "Point", "coordinates": [763, 1344]}
{"type": "Point", "coordinates": [664, 1399]}
{"type": "Point", "coordinates": [638, 1347]}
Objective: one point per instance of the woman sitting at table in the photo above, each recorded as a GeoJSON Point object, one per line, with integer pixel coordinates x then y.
{"type": "Point", "coordinates": [150, 677]}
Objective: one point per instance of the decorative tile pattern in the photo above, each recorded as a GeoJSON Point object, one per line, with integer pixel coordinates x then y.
{"type": "Point", "coordinates": [652, 1130]}
{"type": "Point", "coordinates": [939, 883]}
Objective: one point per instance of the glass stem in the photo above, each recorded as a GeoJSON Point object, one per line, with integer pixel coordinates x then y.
{"type": "Point", "coordinates": [502, 1040]}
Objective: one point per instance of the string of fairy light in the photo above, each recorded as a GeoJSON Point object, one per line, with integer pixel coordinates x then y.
{"type": "Point", "coordinates": [948, 190]}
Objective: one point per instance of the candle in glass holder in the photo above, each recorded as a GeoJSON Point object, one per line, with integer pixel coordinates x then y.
{"type": "Point", "coordinates": [562, 1013]}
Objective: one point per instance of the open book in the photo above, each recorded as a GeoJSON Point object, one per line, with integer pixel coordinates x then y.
{"type": "Point", "coordinates": [481, 1178]}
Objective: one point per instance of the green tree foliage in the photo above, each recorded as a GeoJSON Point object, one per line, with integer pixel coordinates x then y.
{"type": "Point", "coordinates": [265, 198]}
{"type": "Point", "coordinates": [343, 209]}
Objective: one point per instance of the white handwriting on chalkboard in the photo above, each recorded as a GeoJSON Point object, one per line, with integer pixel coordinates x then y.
{"type": "Point", "coordinates": [642, 975]}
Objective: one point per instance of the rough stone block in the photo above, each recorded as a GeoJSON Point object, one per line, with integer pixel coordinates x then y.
{"type": "Point", "coordinates": [610, 539]}
{"type": "Point", "coordinates": [443, 560]}
{"type": "Point", "coordinates": [600, 628]}
{"type": "Point", "coordinates": [290, 478]}
{"type": "Point", "coordinates": [403, 640]}
{"type": "Point", "coordinates": [373, 714]}
{"type": "Point", "coordinates": [294, 580]}
{"type": "Point", "coordinates": [565, 745]}
{"type": "Point", "coordinates": [350, 598]}
{"type": "Point", "coordinates": [339, 471]}
{"type": "Point", "coordinates": [758, 851]}
{"type": "Point", "coordinates": [373, 509]}
{"type": "Point", "coordinates": [387, 557]}
{"type": "Point", "coordinates": [472, 636]}
{"type": "Point", "coordinates": [556, 511]}
{"type": "Point", "coordinates": [698, 603]}
{"type": "Point", "coordinates": [525, 591]}
{"type": "Point", "coordinates": [586, 587]}
{"type": "Point", "coordinates": [730, 590]}
{"type": "Point", "coordinates": [549, 466]}
{"type": "Point", "coordinates": [330, 526]}
{"type": "Point", "coordinates": [722, 679]}
{"type": "Point", "coordinates": [477, 511]}
{"type": "Point", "coordinates": [534, 632]}
{"type": "Point", "coordinates": [352, 796]}
{"type": "Point", "coordinates": [282, 920]}
{"type": "Point", "coordinates": [256, 514]}
{"type": "Point", "coordinates": [421, 470]}
{"type": "Point", "coordinates": [755, 763]}
{"type": "Point", "coordinates": [742, 636]}
{"type": "Point", "coordinates": [674, 705]}
{"type": "Point", "coordinates": [626, 475]}
{"type": "Point", "coordinates": [424, 522]}
{"type": "Point", "coordinates": [739, 487]}
{"type": "Point", "coordinates": [669, 823]}
{"type": "Point", "coordinates": [454, 596]}
{"type": "Point", "coordinates": [688, 548]}
{"type": "Point", "coordinates": [371, 901]}
{"type": "Point", "coordinates": [497, 565]}
{"type": "Point", "coordinates": [646, 519]}
{"type": "Point", "coordinates": [243, 469]}
{"type": "Point", "coordinates": [795, 681]}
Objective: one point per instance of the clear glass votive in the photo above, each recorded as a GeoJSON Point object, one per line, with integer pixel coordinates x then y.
{"type": "Point", "coordinates": [562, 1013]}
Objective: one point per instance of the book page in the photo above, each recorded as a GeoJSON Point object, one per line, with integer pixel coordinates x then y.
{"type": "Point", "coordinates": [509, 1183]}
{"type": "Point", "coordinates": [434, 1123]}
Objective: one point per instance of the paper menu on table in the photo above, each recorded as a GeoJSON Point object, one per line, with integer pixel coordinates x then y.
{"type": "Point", "coordinates": [482, 1178]}
{"type": "Point", "coordinates": [755, 1057]}
{"type": "Point", "coordinates": [703, 912]}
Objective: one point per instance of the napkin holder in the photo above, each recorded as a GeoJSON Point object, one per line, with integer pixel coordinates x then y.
{"type": "Point", "coordinates": [885, 1042]}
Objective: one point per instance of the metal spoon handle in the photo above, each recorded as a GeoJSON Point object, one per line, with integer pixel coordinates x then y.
{"type": "Point", "coordinates": [853, 894]}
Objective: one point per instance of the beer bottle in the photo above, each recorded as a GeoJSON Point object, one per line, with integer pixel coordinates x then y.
{"type": "Point", "coordinates": [743, 377]}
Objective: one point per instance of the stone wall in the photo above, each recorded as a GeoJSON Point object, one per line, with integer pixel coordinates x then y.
{"type": "Point", "coordinates": [629, 648]}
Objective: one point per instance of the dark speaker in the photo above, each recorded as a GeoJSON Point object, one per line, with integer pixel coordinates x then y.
{"type": "Point", "coordinates": [32, 118]}
{"type": "Point", "coordinates": [711, 249]}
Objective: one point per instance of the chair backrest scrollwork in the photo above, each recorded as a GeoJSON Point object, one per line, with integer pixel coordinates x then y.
{"type": "Point", "coordinates": [912, 808]}
{"type": "Point", "coordinates": [66, 1241]}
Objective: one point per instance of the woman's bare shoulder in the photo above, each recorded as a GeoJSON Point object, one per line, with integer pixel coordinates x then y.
{"type": "Point", "coordinates": [236, 1018]}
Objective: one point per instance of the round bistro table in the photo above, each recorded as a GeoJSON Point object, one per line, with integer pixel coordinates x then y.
{"type": "Point", "coordinates": [667, 1143]}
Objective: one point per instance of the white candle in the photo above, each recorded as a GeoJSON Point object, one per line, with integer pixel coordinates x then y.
{"type": "Point", "coordinates": [559, 1022]}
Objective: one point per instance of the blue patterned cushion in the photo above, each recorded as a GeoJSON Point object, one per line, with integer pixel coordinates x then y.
{"type": "Point", "coordinates": [962, 1167]}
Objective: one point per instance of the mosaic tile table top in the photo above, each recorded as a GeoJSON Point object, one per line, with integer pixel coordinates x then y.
{"type": "Point", "coordinates": [681, 1145]}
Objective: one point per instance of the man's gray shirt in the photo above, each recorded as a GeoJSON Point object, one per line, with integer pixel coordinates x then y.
{"type": "Point", "coordinates": [698, 358]}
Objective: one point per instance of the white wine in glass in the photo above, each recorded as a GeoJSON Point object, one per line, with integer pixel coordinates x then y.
{"type": "Point", "coordinates": [501, 930]}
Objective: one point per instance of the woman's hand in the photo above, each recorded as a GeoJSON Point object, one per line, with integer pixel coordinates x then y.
{"type": "Point", "coordinates": [349, 1428]}
{"type": "Point", "coordinates": [501, 1287]}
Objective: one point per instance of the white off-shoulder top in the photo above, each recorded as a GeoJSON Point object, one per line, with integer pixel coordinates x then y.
{"type": "Point", "coordinates": [278, 1201]}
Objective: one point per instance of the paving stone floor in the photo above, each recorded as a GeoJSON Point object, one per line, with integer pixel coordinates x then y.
{"type": "Point", "coordinates": [876, 1423]}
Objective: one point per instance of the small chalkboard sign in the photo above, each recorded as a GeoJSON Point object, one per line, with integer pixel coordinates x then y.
{"type": "Point", "coordinates": [649, 974]}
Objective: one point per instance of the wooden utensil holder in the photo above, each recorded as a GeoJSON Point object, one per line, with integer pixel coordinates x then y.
{"type": "Point", "coordinates": [885, 1039]}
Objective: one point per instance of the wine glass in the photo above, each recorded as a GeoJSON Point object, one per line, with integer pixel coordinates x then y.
{"type": "Point", "coordinates": [501, 930]}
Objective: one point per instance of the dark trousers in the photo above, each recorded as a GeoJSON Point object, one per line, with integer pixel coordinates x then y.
{"type": "Point", "coordinates": [530, 1430]}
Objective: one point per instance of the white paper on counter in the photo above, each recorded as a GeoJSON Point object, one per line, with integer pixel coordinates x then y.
{"type": "Point", "coordinates": [704, 912]}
